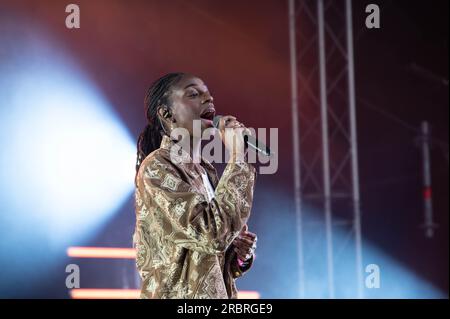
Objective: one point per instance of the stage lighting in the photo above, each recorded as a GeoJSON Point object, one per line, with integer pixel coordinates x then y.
{"type": "Point", "coordinates": [66, 161]}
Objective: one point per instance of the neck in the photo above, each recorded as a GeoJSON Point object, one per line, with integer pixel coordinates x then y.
{"type": "Point", "coordinates": [195, 149]}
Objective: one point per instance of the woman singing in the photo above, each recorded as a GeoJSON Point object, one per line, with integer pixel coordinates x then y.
{"type": "Point", "coordinates": [191, 236]}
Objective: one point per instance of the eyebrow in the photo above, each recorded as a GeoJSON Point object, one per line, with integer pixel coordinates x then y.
{"type": "Point", "coordinates": [194, 84]}
{"type": "Point", "coordinates": [189, 85]}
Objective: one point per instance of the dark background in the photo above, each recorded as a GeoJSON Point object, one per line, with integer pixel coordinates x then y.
{"type": "Point", "coordinates": [241, 50]}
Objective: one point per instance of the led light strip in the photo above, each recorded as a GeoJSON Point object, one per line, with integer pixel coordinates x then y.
{"type": "Point", "coordinates": [133, 294]}
{"type": "Point", "coordinates": [101, 252]}
{"type": "Point", "coordinates": [118, 253]}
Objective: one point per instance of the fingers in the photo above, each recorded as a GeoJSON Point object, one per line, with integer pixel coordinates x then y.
{"type": "Point", "coordinates": [250, 235]}
{"type": "Point", "coordinates": [243, 255]}
{"type": "Point", "coordinates": [244, 229]}
{"type": "Point", "coordinates": [243, 251]}
{"type": "Point", "coordinates": [236, 124]}
{"type": "Point", "coordinates": [225, 120]}
{"type": "Point", "coordinates": [229, 121]}
{"type": "Point", "coordinates": [243, 242]}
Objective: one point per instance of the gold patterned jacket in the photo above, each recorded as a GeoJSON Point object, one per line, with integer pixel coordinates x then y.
{"type": "Point", "coordinates": [183, 242]}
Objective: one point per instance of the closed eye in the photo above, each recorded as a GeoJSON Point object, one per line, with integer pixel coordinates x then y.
{"type": "Point", "coordinates": [192, 93]}
{"type": "Point", "coordinates": [196, 93]}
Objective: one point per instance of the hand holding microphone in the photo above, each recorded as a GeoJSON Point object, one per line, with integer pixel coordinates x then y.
{"type": "Point", "coordinates": [241, 134]}
{"type": "Point", "coordinates": [232, 134]}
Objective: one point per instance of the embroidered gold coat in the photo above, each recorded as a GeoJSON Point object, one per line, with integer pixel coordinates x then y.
{"type": "Point", "coordinates": [183, 242]}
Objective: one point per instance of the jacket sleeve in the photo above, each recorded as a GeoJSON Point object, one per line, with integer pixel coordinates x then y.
{"type": "Point", "coordinates": [185, 217]}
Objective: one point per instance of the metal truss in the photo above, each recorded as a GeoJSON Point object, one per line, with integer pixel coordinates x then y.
{"type": "Point", "coordinates": [325, 138]}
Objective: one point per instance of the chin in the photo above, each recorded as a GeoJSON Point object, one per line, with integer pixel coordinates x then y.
{"type": "Point", "coordinates": [206, 124]}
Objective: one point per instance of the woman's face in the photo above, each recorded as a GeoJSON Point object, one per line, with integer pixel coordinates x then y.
{"type": "Point", "coordinates": [191, 101]}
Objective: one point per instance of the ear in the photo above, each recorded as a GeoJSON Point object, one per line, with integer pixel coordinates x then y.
{"type": "Point", "coordinates": [161, 112]}
{"type": "Point", "coordinates": [165, 113]}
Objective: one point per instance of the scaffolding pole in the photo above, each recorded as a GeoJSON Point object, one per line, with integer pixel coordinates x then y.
{"type": "Point", "coordinates": [354, 150]}
{"type": "Point", "coordinates": [324, 117]}
{"type": "Point", "coordinates": [296, 148]}
{"type": "Point", "coordinates": [325, 148]}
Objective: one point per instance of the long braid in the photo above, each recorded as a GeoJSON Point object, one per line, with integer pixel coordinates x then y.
{"type": "Point", "coordinates": [158, 94]}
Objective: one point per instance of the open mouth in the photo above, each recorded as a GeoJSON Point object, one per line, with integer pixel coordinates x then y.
{"type": "Point", "coordinates": [208, 114]}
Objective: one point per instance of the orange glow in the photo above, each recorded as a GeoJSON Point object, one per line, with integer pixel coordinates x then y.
{"type": "Point", "coordinates": [248, 295]}
{"type": "Point", "coordinates": [104, 293]}
{"type": "Point", "coordinates": [101, 252]}
{"type": "Point", "coordinates": [132, 294]}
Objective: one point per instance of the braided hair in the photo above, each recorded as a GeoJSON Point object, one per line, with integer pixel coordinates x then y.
{"type": "Point", "coordinates": [157, 95]}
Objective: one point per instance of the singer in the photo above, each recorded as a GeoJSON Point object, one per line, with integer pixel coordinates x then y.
{"type": "Point", "coordinates": [191, 236]}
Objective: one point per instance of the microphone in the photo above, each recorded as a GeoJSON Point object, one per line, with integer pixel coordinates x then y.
{"type": "Point", "coordinates": [249, 140]}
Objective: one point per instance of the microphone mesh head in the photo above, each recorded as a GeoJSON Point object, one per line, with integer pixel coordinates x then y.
{"type": "Point", "coordinates": [216, 120]}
